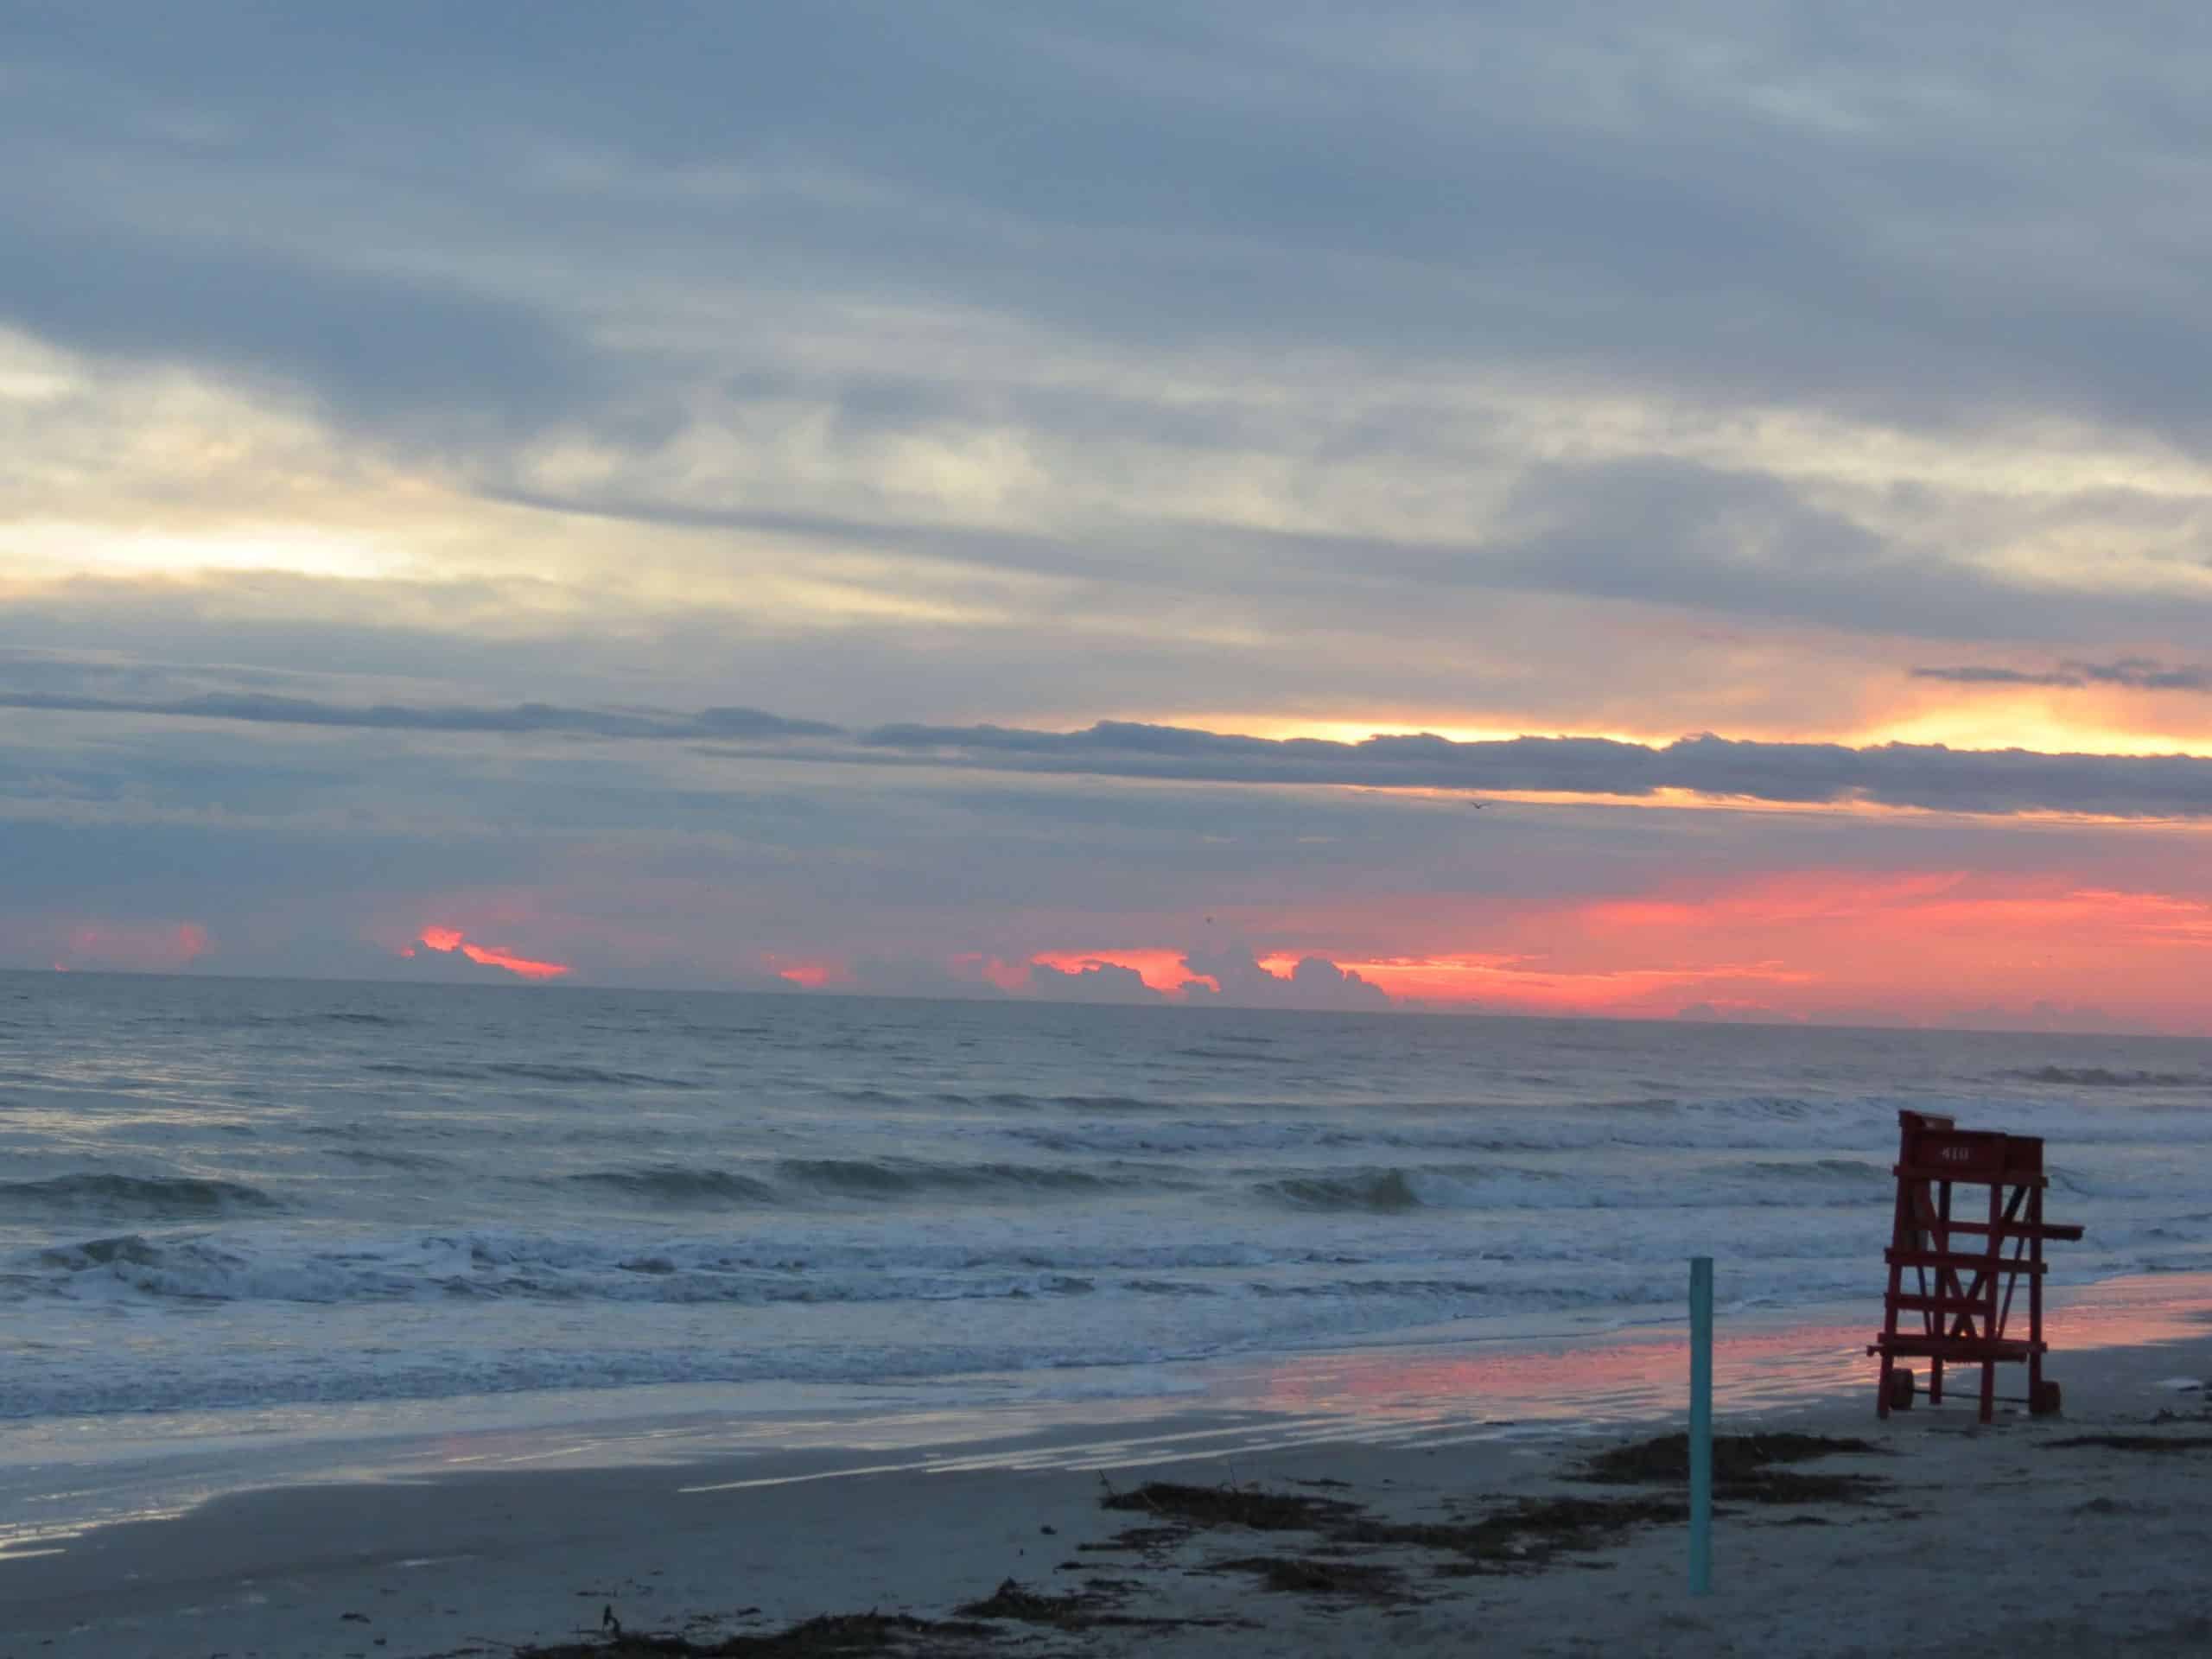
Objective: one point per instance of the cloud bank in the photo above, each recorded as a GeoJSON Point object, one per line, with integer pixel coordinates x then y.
{"type": "Point", "coordinates": [1928, 777]}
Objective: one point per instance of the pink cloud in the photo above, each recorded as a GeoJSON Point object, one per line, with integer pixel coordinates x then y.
{"type": "Point", "coordinates": [449, 940]}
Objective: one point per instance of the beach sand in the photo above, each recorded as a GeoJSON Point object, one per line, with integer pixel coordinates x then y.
{"type": "Point", "coordinates": [2007, 1539]}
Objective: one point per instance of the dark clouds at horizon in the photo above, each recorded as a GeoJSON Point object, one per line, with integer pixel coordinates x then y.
{"type": "Point", "coordinates": [1929, 776]}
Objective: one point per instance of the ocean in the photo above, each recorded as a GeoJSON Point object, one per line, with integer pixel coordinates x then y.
{"type": "Point", "coordinates": [244, 1196]}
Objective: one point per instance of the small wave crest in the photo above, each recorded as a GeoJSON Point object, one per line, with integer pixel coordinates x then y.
{"type": "Point", "coordinates": [493, 1267]}
{"type": "Point", "coordinates": [154, 1197]}
{"type": "Point", "coordinates": [675, 1184]}
{"type": "Point", "coordinates": [1373, 1191]}
{"type": "Point", "coordinates": [2098, 1076]}
{"type": "Point", "coordinates": [526, 1072]}
{"type": "Point", "coordinates": [796, 1180]}
{"type": "Point", "coordinates": [893, 1178]}
{"type": "Point", "coordinates": [1843, 1171]}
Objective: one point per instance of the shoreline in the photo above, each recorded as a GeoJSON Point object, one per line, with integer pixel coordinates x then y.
{"type": "Point", "coordinates": [927, 1510]}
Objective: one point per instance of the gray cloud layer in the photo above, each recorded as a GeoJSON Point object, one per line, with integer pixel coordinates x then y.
{"type": "Point", "coordinates": [459, 229]}
{"type": "Point", "coordinates": [528, 717]}
{"type": "Point", "coordinates": [1927, 776]}
{"type": "Point", "coordinates": [1763, 216]}
{"type": "Point", "coordinates": [1930, 776]}
{"type": "Point", "coordinates": [2129, 673]}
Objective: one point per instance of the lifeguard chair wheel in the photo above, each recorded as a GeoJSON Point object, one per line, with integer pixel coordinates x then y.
{"type": "Point", "coordinates": [1901, 1386]}
{"type": "Point", "coordinates": [2046, 1400]}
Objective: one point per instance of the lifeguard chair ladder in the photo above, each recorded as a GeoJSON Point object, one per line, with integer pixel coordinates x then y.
{"type": "Point", "coordinates": [1964, 1267]}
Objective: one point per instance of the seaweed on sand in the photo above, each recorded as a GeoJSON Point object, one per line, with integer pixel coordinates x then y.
{"type": "Point", "coordinates": [2135, 1442]}
{"type": "Point", "coordinates": [1080, 1610]}
{"type": "Point", "coordinates": [1233, 1506]}
{"type": "Point", "coordinates": [1092, 1607]}
{"type": "Point", "coordinates": [1308, 1575]}
{"type": "Point", "coordinates": [1743, 1467]}
{"type": "Point", "coordinates": [1528, 1531]}
{"type": "Point", "coordinates": [833, 1635]}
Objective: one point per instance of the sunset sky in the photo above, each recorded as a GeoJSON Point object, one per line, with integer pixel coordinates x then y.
{"type": "Point", "coordinates": [1682, 511]}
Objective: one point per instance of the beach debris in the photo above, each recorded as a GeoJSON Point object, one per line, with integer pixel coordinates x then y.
{"type": "Point", "coordinates": [1528, 1532]}
{"type": "Point", "coordinates": [831, 1635]}
{"type": "Point", "coordinates": [1096, 1605]}
{"type": "Point", "coordinates": [1142, 1539]}
{"type": "Point", "coordinates": [1308, 1575]}
{"type": "Point", "coordinates": [1233, 1506]}
{"type": "Point", "coordinates": [2135, 1442]}
{"type": "Point", "coordinates": [1744, 1467]}
{"type": "Point", "coordinates": [1012, 1600]}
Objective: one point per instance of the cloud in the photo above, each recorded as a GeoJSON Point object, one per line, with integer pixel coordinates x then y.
{"type": "Point", "coordinates": [424, 430]}
{"type": "Point", "coordinates": [1230, 976]}
{"type": "Point", "coordinates": [1093, 982]}
{"type": "Point", "coordinates": [654, 864]}
{"type": "Point", "coordinates": [1312, 983]}
{"type": "Point", "coordinates": [1928, 776]}
{"type": "Point", "coordinates": [2129, 673]}
{"type": "Point", "coordinates": [1225, 246]}
{"type": "Point", "coordinates": [450, 941]}
{"type": "Point", "coordinates": [405, 355]}
{"type": "Point", "coordinates": [1976, 674]}
{"type": "Point", "coordinates": [728, 724]}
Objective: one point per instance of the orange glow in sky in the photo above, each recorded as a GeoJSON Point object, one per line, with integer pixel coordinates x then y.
{"type": "Point", "coordinates": [2079, 720]}
{"type": "Point", "coordinates": [450, 939]}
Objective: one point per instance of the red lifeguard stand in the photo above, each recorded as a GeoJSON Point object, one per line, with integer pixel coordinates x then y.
{"type": "Point", "coordinates": [1965, 1266]}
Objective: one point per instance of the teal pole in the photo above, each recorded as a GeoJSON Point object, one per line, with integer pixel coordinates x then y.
{"type": "Point", "coordinates": [1700, 1425]}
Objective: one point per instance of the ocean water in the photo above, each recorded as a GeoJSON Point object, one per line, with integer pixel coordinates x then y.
{"type": "Point", "coordinates": [230, 1194]}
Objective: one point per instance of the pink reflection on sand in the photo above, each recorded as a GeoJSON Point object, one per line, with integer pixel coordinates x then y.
{"type": "Point", "coordinates": [1762, 1365]}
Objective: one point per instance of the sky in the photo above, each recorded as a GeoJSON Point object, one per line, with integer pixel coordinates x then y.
{"type": "Point", "coordinates": [1696, 511]}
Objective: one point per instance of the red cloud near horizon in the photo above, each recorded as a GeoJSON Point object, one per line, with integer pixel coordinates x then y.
{"type": "Point", "coordinates": [451, 939]}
